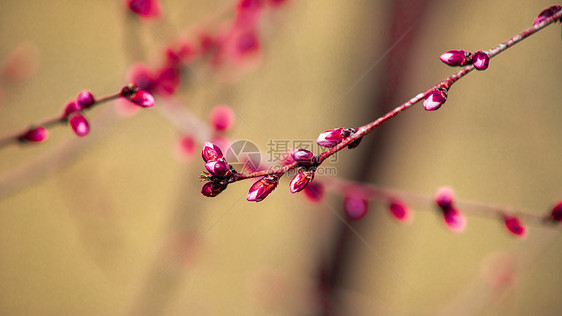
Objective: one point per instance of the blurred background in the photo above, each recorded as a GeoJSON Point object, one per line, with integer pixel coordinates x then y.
{"type": "Point", "coordinates": [114, 223]}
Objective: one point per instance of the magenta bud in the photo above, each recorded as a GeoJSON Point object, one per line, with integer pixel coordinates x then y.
{"type": "Point", "coordinates": [301, 180]}
{"type": "Point", "coordinates": [556, 214]}
{"type": "Point", "coordinates": [444, 197]}
{"type": "Point", "coordinates": [314, 191]}
{"type": "Point", "coordinates": [454, 219]}
{"type": "Point", "coordinates": [37, 134]}
{"type": "Point", "coordinates": [79, 124]}
{"type": "Point", "coordinates": [456, 57]}
{"type": "Point", "coordinates": [212, 189]}
{"type": "Point", "coordinates": [262, 188]}
{"type": "Point", "coordinates": [514, 226]}
{"type": "Point", "coordinates": [355, 207]}
{"type": "Point", "coordinates": [399, 210]}
{"type": "Point", "coordinates": [331, 138]}
{"type": "Point", "coordinates": [481, 60]}
{"type": "Point", "coordinates": [219, 168]}
{"type": "Point", "coordinates": [145, 8]}
{"type": "Point", "coordinates": [142, 98]}
{"type": "Point", "coordinates": [547, 13]}
{"type": "Point", "coordinates": [435, 99]}
{"type": "Point", "coordinates": [303, 157]}
{"type": "Point", "coordinates": [70, 108]}
{"type": "Point", "coordinates": [211, 152]}
{"type": "Point", "coordinates": [85, 99]}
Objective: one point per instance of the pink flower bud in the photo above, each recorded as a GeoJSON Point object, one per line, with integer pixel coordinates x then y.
{"type": "Point", "coordinates": [456, 57]}
{"type": "Point", "coordinates": [262, 188]}
{"type": "Point", "coordinates": [211, 152]}
{"type": "Point", "coordinates": [481, 60]}
{"type": "Point", "coordinates": [399, 210]}
{"type": "Point", "coordinates": [557, 212]}
{"type": "Point", "coordinates": [301, 180]}
{"type": "Point", "coordinates": [37, 134]}
{"type": "Point", "coordinates": [79, 124]}
{"type": "Point", "coordinates": [454, 219]}
{"type": "Point", "coordinates": [145, 8]}
{"type": "Point", "coordinates": [219, 168]}
{"type": "Point", "coordinates": [355, 207]}
{"type": "Point", "coordinates": [70, 108]}
{"type": "Point", "coordinates": [330, 138]}
{"type": "Point", "coordinates": [547, 13]}
{"type": "Point", "coordinates": [142, 98]}
{"type": "Point", "coordinates": [85, 99]}
{"type": "Point", "coordinates": [222, 117]}
{"type": "Point", "coordinates": [435, 99]}
{"type": "Point", "coordinates": [444, 197]}
{"type": "Point", "coordinates": [212, 189]}
{"type": "Point", "coordinates": [303, 157]}
{"type": "Point", "coordinates": [248, 13]}
{"type": "Point", "coordinates": [185, 147]}
{"type": "Point", "coordinates": [514, 226]}
{"type": "Point", "coordinates": [314, 191]}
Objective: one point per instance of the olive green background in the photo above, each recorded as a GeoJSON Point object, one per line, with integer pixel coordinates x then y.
{"type": "Point", "coordinates": [92, 237]}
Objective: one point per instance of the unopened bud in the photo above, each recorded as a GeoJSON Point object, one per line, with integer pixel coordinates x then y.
{"type": "Point", "coordinates": [301, 180]}
{"type": "Point", "coordinates": [355, 207]}
{"type": "Point", "coordinates": [331, 138]}
{"type": "Point", "coordinates": [547, 13]}
{"type": "Point", "coordinates": [481, 60]}
{"type": "Point", "coordinates": [514, 226]}
{"type": "Point", "coordinates": [85, 99]}
{"type": "Point", "coordinates": [37, 134]}
{"type": "Point", "coordinates": [435, 99]}
{"type": "Point", "coordinates": [211, 152]}
{"type": "Point", "coordinates": [262, 188]}
{"type": "Point", "coordinates": [79, 124]}
{"type": "Point", "coordinates": [211, 189]}
{"type": "Point", "coordinates": [456, 57]}
{"type": "Point", "coordinates": [219, 168]}
{"type": "Point", "coordinates": [303, 157]}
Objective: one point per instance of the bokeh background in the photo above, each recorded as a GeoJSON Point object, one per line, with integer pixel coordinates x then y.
{"type": "Point", "coordinates": [95, 226]}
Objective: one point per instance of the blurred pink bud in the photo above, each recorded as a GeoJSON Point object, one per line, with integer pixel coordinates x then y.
{"type": "Point", "coordinates": [142, 77]}
{"type": "Point", "coordinates": [70, 108]}
{"type": "Point", "coordinates": [454, 219]}
{"type": "Point", "coordinates": [167, 80]}
{"type": "Point", "coordinates": [142, 98]}
{"type": "Point", "coordinates": [514, 226]}
{"type": "Point", "coordinates": [262, 188]}
{"type": "Point", "coordinates": [444, 197]}
{"type": "Point", "coordinates": [145, 8]}
{"type": "Point", "coordinates": [211, 152]}
{"type": "Point", "coordinates": [399, 210]}
{"type": "Point", "coordinates": [207, 43]}
{"type": "Point", "coordinates": [314, 191]}
{"type": "Point", "coordinates": [456, 57]}
{"type": "Point", "coordinates": [79, 124]}
{"type": "Point", "coordinates": [330, 138]}
{"type": "Point", "coordinates": [435, 99]}
{"type": "Point", "coordinates": [248, 13]}
{"type": "Point", "coordinates": [37, 134]}
{"type": "Point", "coordinates": [212, 189]}
{"type": "Point", "coordinates": [481, 60]}
{"type": "Point", "coordinates": [85, 99]}
{"type": "Point", "coordinates": [186, 146]}
{"type": "Point", "coordinates": [21, 64]}
{"type": "Point", "coordinates": [547, 13]}
{"type": "Point", "coordinates": [557, 212]}
{"type": "Point", "coordinates": [303, 157]}
{"type": "Point", "coordinates": [219, 168]}
{"type": "Point", "coordinates": [301, 180]}
{"type": "Point", "coordinates": [176, 57]}
{"type": "Point", "coordinates": [222, 117]}
{"type": "Point", "coordinates": [355, 207]}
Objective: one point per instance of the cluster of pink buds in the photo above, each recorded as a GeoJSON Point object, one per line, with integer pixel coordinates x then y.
{"type": "Point", "coordinates": [307, 162]}
{"type": "Point", "coordinates": [73, 113]}
{"type": "Point", "coordinates": [333, 137]}
{"type": "Point", "coordinates": [453, 217]}
{"type": "Point", "coordinates": [218, 170]}
{"type": "Point", "coordinates": [479, 60]}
